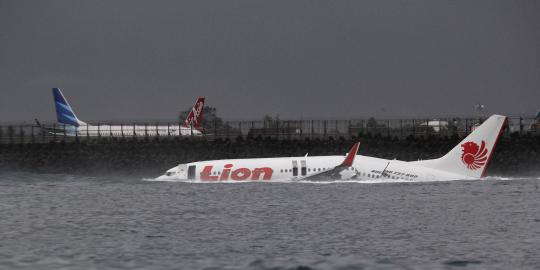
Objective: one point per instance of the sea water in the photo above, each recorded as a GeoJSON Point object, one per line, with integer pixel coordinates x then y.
{"type": "Point", "coordinates": [77, 222]}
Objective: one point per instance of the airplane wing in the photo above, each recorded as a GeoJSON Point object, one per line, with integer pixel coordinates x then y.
{"type": "Point", "coordinates": [44, 129]}
{"type": "Point", "coordinates": [60, 129]}
{"type": "Point", "coordinates": [336, 172]}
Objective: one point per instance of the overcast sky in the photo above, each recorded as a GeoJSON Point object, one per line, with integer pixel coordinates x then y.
{"type": "Point", "coordinates": [300, 59]}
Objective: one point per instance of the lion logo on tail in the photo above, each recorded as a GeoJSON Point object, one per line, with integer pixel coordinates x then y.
{"type": "Point", "coordinates": [474, 156]}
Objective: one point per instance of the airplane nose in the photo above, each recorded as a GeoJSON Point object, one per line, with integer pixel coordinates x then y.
{"type": "Point", "coordinates": [161, 177]}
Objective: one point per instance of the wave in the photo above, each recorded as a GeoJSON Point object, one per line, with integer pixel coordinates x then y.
{"type": "Point", "coordinates": [17, 176]}
{"type": "Point", "coordinates": [30, 177]}
{"type": "Point", "coordinates": [305, 262]}
{"type": "Point", "coordinates": [330, 181]}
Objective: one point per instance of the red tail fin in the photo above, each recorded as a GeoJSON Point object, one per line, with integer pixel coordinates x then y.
{"type": "Point", "coordinates": [195, 116]}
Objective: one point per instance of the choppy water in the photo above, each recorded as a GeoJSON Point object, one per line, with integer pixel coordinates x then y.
{"type": "Point", "coordinates": [73, 222]}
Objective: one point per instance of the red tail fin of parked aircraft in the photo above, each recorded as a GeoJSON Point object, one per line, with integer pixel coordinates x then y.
{"type": "Point", "coordinates": [195, 116]}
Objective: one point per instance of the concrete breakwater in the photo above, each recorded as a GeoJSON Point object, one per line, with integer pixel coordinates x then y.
{"type": "Point", "coordinates": [515, 155]}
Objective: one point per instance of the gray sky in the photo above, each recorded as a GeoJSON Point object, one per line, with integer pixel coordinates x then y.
{"type": "Point", "coordinates": [299, 59]}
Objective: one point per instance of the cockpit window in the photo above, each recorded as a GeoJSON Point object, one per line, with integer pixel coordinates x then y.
{"type": "Point", "coordinates": [169, 173]}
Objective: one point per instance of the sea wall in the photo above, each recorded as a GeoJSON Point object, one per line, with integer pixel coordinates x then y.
{"type": "Point", "coordinates": [515, 155]}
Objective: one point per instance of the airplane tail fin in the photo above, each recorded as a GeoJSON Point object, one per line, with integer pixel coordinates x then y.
{"type": "Point", "coordinates": [195, 116]}
{"type": "Point", "coordinates": [472, 155]}
{"type": "Point", "coordinates": [64, 113]}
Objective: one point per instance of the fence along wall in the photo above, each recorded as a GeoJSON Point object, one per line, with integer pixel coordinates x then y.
{"type": "Point", "coordinates": [286, 129]}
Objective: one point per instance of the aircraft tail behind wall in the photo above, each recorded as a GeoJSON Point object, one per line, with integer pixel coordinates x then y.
{"type": "Point", "coordinates": [64, 113]}
{"type": "Point", "coordinates": [195, 116]}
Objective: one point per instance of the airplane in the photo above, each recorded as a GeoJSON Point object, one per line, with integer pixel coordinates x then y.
{"type": "Point", "coordinates": [70, 125]}
{"type": "Point", "coordinates": [466, 161]}
{"type": "Point", "coordinates": [535, 124]}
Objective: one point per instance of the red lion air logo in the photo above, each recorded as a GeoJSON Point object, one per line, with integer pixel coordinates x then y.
{"type": "Point", "coordinates": [474, 156]}
{"type": "Point", "coordinates": [194, 115]}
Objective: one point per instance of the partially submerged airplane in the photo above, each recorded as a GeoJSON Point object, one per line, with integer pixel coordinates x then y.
{"type": "Point", "coordinates": [468, 160]}
{"type": "Point", "coordinates": [70, 125]}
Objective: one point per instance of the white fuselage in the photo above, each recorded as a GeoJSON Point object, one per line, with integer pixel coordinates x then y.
{"type": "Point", "coordinates": [467, 160]}
{"type": "Point", "coordinates": [126, 130]}
{"type": "Point", "coordinates": [296, 168]}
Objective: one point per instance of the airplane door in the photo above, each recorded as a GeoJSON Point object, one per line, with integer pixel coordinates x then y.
{"type": "Point", "coordinates": [303, 168]}
{"type": "Point", "coordinates": [191, 172]}
{"type": "Point", "coordinates": [295, 168]}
